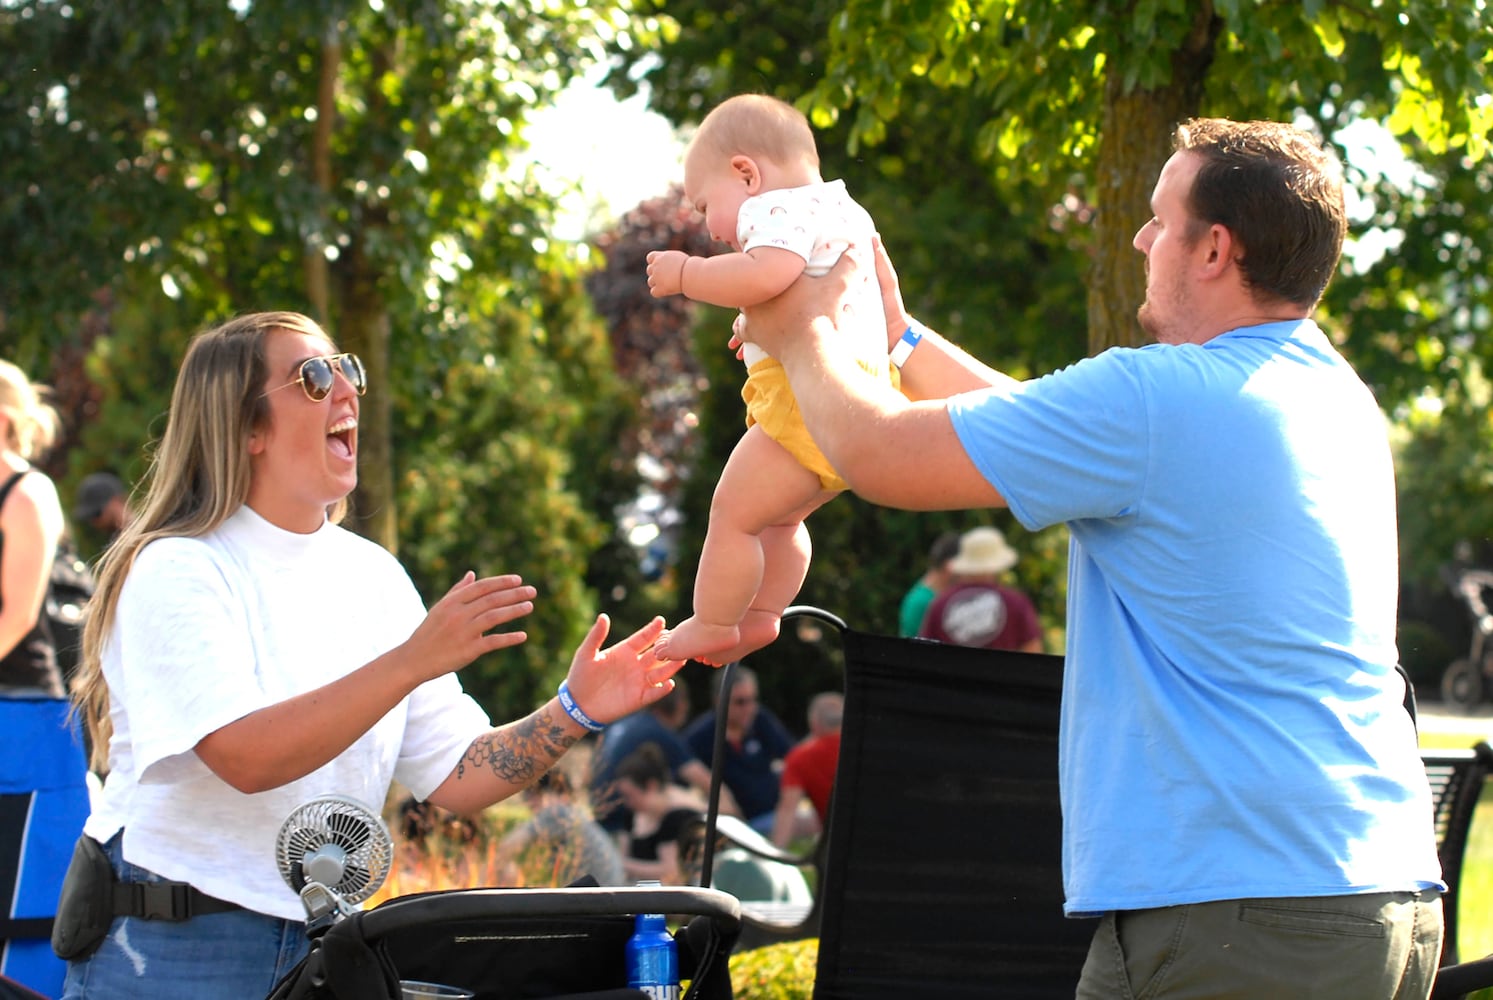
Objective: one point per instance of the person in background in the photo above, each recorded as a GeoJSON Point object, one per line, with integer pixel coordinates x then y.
{"type": "Point", "coordinates": [1230, 500]}
{"type": "Point", "coordinates": [43, 790]}
{"type": "Point", "coordinates": [31, 526]}
{"type": "Point", "coordinates": [928, 586]}
{"type": "Point", "coordinates": [752, 169]}
{"type": "Point", "coordinates": [419, 822]}
{"type": "Point", "coordinates": [977, 609]}
{"type": "Point", "coordinates": [244, 654]}
{"type": "Point", "coordinates": [658, 724]}
{"type": "Point", "coordinates": [809, 772]}
{"type": "Point", "coordinates": [560, 842]}
{"type": "Point", "coordinates": [660, 810]}
{"type": "Point", "coordinates": [756, 743]}
{"type": "Point", "coordinates": [102, 503]}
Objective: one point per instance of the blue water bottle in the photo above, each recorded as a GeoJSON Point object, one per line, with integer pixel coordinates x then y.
{"type": "Point", "coordinates": [652, 957]}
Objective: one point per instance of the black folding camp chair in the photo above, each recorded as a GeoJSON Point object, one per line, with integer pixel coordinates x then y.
{"type": "Point", "coordinates": [1457, 778]}
{"type": "Point", "coordinates": [942, 863]}
{"type": "Point", "coordinates": [515, 944]}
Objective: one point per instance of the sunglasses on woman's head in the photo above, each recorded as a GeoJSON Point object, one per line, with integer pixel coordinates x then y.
{"type": "Point", "coordinates": [318, 375]}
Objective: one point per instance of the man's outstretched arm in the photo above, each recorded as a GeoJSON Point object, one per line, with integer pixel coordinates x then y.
{"type": "Point", "coordinates": [893, 451]}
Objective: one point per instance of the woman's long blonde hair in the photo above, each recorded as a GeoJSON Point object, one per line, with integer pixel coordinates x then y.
{"type": "Point", "coordinates": [33, 421]}
{"type": "Point", "coordinates": [198, 477]}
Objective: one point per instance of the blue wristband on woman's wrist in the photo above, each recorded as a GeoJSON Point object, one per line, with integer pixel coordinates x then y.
{"type": "Point", "coordinates": [567, 702]}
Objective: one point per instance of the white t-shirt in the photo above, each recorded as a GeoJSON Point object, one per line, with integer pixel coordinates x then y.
{"type": "Point", "coordinates": [211, 629]}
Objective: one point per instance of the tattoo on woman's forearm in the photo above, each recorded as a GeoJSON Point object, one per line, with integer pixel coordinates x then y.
{"type": "Point", "coordinates": [519, 753]}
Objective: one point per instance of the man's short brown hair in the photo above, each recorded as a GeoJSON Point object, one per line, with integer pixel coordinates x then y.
{"type": "Point", "coordinates": [1279, 192]}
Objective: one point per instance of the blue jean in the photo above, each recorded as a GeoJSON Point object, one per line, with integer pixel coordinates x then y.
{"type": "Point", "coordinates": [238, 955]}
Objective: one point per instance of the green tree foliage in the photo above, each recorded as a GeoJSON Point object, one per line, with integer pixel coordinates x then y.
{"type": "Point", "coordinates": [1095, 88]}
{"type": "Point", "coordinates": [1049, 122]}
{"type": "Point", "coordinates": [174, 163]}
{"type": "Point", "coordinates": [994, 273]}
{"type": "Point", "coordinates": [1092, 88]}
{"type": "Point", "coordinates": [512, 473]}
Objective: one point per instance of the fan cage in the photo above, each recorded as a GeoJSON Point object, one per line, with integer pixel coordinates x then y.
{"type": "Point", "coordinates": [337, 820]}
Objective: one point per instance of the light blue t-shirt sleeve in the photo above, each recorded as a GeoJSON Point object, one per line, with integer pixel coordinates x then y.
{"type": "Point", "coordinates": [1064, 446]}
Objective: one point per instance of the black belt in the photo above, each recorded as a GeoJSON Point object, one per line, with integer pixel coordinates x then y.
{"type": "Point", "coordinates": [166, 901]}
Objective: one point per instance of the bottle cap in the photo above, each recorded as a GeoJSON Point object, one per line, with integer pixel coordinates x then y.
{"type": "Point", "coordinates": [650, 921]}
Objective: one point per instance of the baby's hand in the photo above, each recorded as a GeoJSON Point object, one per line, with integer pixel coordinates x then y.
{"type": "Point", "coordinates": [666, 272]}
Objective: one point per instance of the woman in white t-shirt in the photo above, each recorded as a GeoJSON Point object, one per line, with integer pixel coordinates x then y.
{"type": "Point", "coordinates": [245, 654]}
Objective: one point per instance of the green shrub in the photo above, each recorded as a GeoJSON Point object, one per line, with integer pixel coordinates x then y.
{"type": "Point", "coordinates": [1425, 652]}
{"type": "Point", "coordinates": [775, 972]}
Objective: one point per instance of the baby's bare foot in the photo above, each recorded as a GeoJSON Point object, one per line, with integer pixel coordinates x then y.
{"type": "Point", "coordinates": [693, 639]}
{"type": "Point", "coordinates": [758, 629]}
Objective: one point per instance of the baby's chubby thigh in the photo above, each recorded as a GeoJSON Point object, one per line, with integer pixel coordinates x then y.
{"type": "Point", "coordinates": [763, 485]}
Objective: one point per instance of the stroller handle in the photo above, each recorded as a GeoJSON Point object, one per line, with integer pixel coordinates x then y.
{"type": "Point", "coordinates": [469, 904]}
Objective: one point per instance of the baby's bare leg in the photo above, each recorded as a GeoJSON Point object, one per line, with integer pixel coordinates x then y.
{"type": "Point", "coordinates": [785, 558]}
{"type": "Point", "coordinates": [762, 487]}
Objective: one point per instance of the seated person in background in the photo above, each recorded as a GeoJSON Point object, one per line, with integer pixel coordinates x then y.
{"type": "Point", "coordinates": [420, 821]}
{"type": "Point", "coordinates": [809, 772]}
{"type": "Point", "coordinates": [560, 841]}
{"type": "Point", "coordinates": [756, 742]}
{"type": "Point", "coordinates": [659, 810]}
{"type": "Point", "coordinates": [657, 724]}
{"type": "Point", "coordinates": [976, 609]}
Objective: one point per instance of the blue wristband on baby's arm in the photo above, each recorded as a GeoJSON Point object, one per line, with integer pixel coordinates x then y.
{"type": "Point", "coordinates": [567, 702]}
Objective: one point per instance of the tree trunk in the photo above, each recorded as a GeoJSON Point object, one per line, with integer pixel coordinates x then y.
{"type": "Point", "coordinates": [364, 331]}
{"type": "Point", "coordinates": [318, 291]}
{"type": "Point", "coordinates": [1135, 141]}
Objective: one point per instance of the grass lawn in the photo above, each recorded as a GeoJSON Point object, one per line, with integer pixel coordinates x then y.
{"type": "Point", "coordinates": [1475, 915]}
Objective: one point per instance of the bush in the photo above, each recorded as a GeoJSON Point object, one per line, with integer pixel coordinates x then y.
{"type": "Point", "coordinates": [776, 972]}
{"type": "Point", "coordinates": [1425, 652]}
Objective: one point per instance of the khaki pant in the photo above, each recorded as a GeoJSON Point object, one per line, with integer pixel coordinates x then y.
{"type": "Point", "coordinates": [1381, 946]}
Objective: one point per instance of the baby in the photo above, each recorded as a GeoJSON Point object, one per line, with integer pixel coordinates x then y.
{"type": "Point", "coordinates": [752, 170]}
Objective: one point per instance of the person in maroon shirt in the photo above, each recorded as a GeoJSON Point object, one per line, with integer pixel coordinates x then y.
{"type": "Point", "coordinates": [978, 610]}
{"type": "Point", "coordinates": [809, 771]}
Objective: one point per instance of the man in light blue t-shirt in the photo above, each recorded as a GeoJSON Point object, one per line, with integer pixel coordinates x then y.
{"type": "Point", "coordinates": [1243, 800]}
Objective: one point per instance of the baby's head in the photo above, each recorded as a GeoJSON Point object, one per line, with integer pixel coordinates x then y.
{"type": "Point", "coordinates": [758, 126]}
{"type": "Point", "coordinates": [748, 144]}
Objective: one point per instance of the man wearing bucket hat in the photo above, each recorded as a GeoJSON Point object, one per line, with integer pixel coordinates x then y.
{"type": "Point", "coordinates": [978, 610]}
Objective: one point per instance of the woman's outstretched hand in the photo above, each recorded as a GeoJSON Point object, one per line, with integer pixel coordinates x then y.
{"type": "Point", "coordinates": [610, 683]}
{"type": "Point", "coordinates": [459, 627]}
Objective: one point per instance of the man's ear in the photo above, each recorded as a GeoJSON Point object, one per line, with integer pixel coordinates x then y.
{"type": "Point", "coordinates": [1221, 251]}
{"type": "Point", "coordinates": [746, 170]}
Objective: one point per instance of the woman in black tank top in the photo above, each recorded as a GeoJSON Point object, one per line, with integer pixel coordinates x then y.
{"type": "Point", "coordinates": [28, 668]}
{"type": "Point", "coordinates": [31, 524]}
{"type": "Point", "coordinates": [42, 770]}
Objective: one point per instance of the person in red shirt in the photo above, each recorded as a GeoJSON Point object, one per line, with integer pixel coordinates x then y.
{"type": "Point", "coordinates": [978, 610]}
{"type": "Point", "coordinates": [809, 772]}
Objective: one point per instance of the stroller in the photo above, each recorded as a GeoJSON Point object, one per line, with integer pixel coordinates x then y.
{"type": "Point", "coordinates": [484, 944]}
{"type": "Point", "coordinates": [1467, 679]}
{"type": "Point", "coordinates": [506, 944]}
